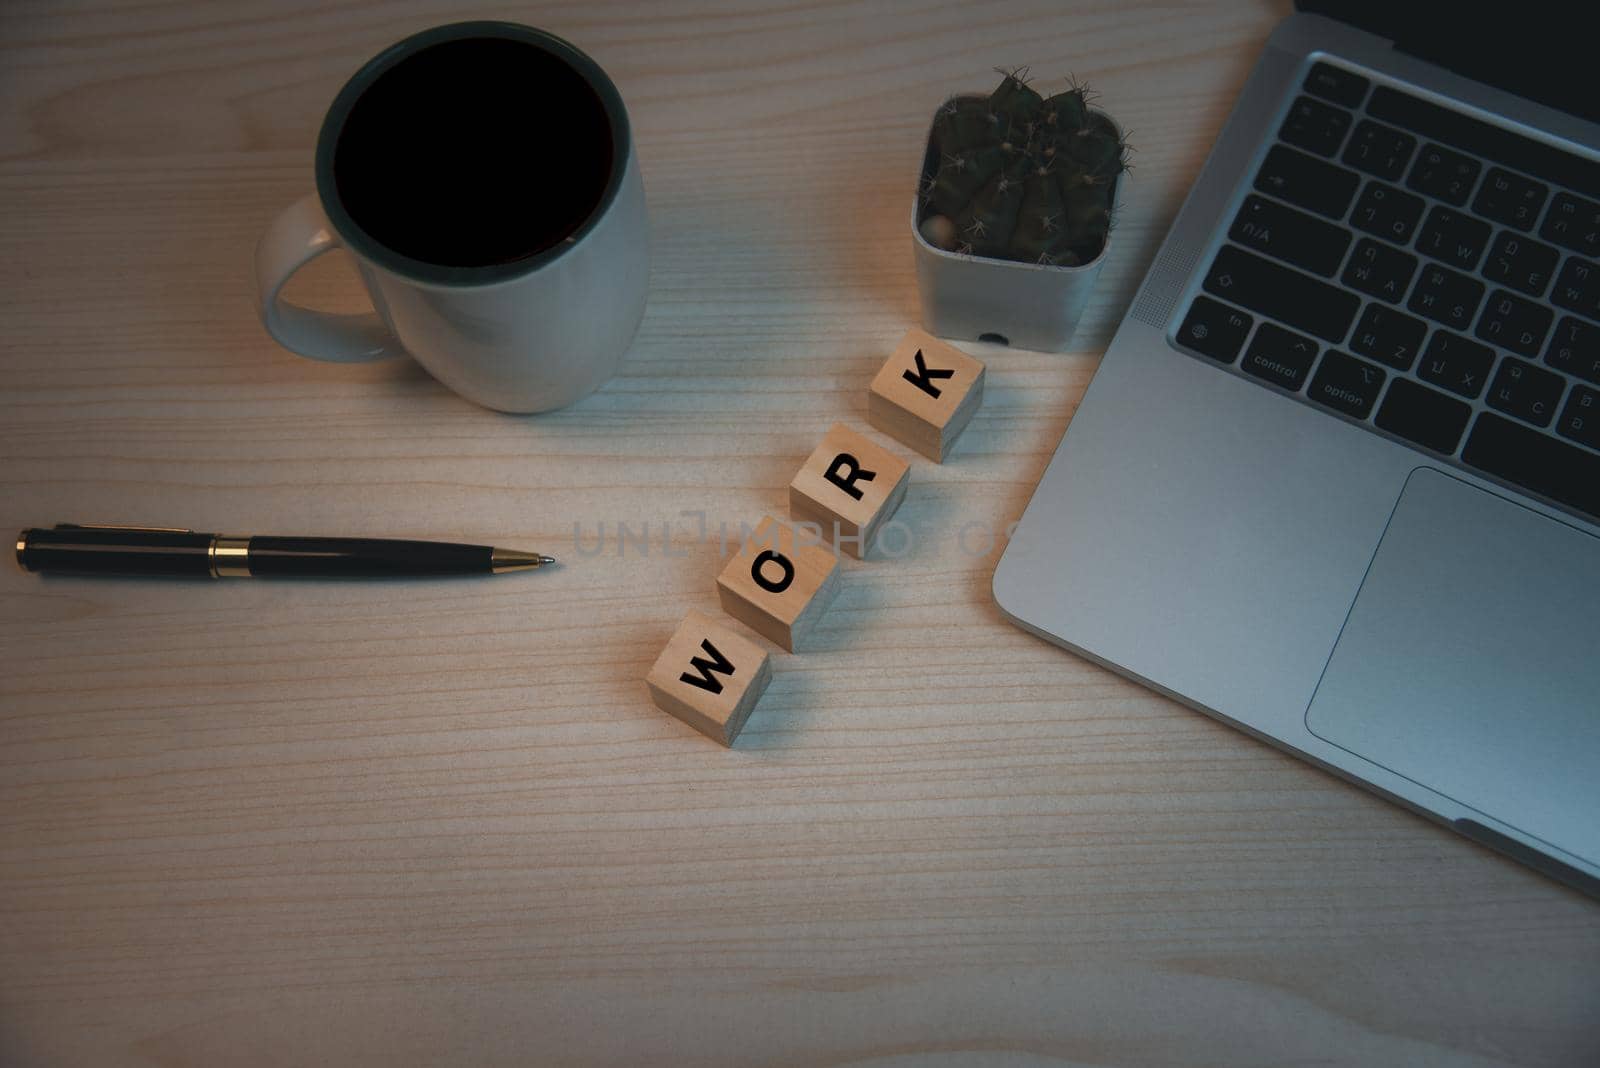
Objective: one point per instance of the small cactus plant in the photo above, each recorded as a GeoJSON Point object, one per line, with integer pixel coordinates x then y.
{"type": "Point", "coordinates": [1022, 177]}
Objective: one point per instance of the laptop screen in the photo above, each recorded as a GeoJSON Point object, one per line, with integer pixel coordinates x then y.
{"type": "Point", "coordinates": [1534, 48]}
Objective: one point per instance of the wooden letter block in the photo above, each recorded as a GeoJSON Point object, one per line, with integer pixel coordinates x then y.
{"type": "Point", "coordinates": [925, 395]}
{"type": "Point", "coordinates": [709, 677]}
{"type": "Point", "coordinates": [778, 585]}
{"type": "Point", "coordinates": [849, 487]}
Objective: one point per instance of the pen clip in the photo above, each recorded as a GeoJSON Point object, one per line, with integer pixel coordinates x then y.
{"type": "Point", "coordinates": [119, 526]}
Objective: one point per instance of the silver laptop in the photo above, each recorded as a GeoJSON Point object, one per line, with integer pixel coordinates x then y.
{"type": "Point", "coordinates": [1337, 479]}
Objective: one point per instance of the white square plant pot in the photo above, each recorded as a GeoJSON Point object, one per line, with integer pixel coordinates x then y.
{"type": "Point", "coordinates": [979, 298]}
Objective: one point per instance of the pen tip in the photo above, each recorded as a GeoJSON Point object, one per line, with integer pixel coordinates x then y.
{"type": "Point", "coordinates": [503, 560]}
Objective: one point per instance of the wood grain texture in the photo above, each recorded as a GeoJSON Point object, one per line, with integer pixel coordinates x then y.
{"type": "Point", "coordinates": [441, 823]}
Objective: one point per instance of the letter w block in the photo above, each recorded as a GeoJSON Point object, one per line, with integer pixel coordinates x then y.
{"type": "Point", "coordinates": [709, 677]}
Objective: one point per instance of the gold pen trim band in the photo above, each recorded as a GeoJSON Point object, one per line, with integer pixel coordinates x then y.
{"type": "Point", "coordinates": [503, 560]}
{"type": "Point", "coordinates": [22, 550]}
{"type": "Point", "coordinates": [229, 556]}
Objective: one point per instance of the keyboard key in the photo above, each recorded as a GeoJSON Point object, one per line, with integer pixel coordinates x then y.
{"type": "Point", "coordinates": [1494, 143]}
{"type": "Point", "coordinates": [1444, 175]}
{"type": "Point", "coordinates": [1510, 198]}
{"type": "Point", "coordinates": [1379, 150]}
{"type": "Point", "coordinates": [1453, 237]}
{"type": "Point", "coordinates": [1526, 391]}
{"type": "Point", "coordinates": [1446, 297]}
{"type": "Point", "coordinates": [1388, 212]}
{"type": "Point", "coordinates": [1346, 384]}
{"type": "Point", "coordinates": [1423, 416]}
{"type": "Point", "coordinates": [1575, 349]}
{"type": "Point", "coordinates": [1389, 336]}
{"type": "Point", "coordinates": [1514, 323]}
{"type": "Point", "coordinates": [1337, 85]}
{"type": "Point", "coordinates": [1580, 419]}
{"type": "Point", "coordinates": [1214, 330]}
{"type": "Point", "coordinates": [1290, 235]}
{"type": "Point", "coordinates": [1279, 356]}
{"type": "Point", "coordinates": [1573, 223]}
{"type": "Point", "coordinates": [1307, 182]}
{"type": "Point", "coordinates": [1315, 126]}
{"type": "Point", "coordinates": [1578, 287]}
{"type": "Point", "coordinates": [1284, 294]}
{"type": "Point", "coordinates": [1456, 363]}
{"type": "Point", "coordinates": [1379, 270]}
{"type": "Point", "coordinates": [1520, 262]}
{"type": "Point", "coordinates": [1535, 461]}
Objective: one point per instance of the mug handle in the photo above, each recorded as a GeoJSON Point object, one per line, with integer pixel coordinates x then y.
{"type": "Point", "coordinates": [297, 236]}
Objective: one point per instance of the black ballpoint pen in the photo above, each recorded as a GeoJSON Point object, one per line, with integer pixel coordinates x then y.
{"type": "Point", "coordinates": [169, 552]}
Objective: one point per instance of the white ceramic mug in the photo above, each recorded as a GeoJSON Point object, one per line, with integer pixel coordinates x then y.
{"type": "Point", "coordinates": [527, 334]}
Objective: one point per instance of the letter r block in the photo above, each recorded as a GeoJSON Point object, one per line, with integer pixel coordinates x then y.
{"type": "Point", "coordinates": [709, 677]}
{"type": "Point", "coordinates": [849, 485]}
{"type": "Point", "coordinates": [779, 585]}
{"type": "Point", "coordinates": [926, 394]}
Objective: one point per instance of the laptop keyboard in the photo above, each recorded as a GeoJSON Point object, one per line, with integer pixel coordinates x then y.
{"type": "Point", "coordinates": [1425, 274]}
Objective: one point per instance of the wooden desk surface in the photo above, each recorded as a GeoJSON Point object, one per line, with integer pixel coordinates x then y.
{"type": "Point", "coordinates": [441, 823]}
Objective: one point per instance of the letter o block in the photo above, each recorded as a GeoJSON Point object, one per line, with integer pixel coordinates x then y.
{"type": "Point", "coordinates": [926, 394]}
{"type": "Point", "coordinates": [779, 584]}
{"type": "Point", "coordinates": [709, 677]}
{"type": "Point", "coordinates": [849, 487]}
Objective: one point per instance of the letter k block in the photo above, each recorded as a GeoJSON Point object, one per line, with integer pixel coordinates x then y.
{"type": "Point", "coordinates": [709, 677]}
{"type": "Point", "coordinates": [849, 487]}
{"type": "Point", "coordinates": [926, 394]}
{"type": "Point", "coordinates": [779, 583]}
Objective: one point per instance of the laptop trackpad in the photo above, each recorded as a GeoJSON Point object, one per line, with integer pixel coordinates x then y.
{"type": "Point", "coordinates": [1471, 661]}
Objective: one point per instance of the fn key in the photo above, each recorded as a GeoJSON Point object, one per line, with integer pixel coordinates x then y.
{"type": "Point", "coordinates": [1213, 329]}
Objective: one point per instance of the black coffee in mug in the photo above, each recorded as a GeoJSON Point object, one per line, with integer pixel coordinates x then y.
{"type": "Point", "coordinates": [474, 152]}
{"type": "Point", "coordinates": [482, 177]}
